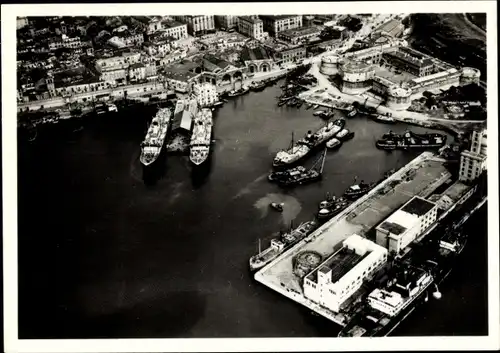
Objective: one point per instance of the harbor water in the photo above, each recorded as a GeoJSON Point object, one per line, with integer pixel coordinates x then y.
{"type": "Point", "coordinates": [104, 254]}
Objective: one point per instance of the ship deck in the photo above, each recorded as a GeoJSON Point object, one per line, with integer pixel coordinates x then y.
{"type": "Point", "coordinates": [427, 173]}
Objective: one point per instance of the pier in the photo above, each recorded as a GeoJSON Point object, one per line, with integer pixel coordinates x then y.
{"type": "Point", "coordinates": [420, 177]}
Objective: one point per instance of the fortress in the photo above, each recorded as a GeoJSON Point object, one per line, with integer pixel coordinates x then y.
{"type": "Point", "coordinates": [395, 72]}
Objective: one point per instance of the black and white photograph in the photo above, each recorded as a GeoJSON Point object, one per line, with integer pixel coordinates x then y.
{"type": "Point", "coordinates": [317, 172]}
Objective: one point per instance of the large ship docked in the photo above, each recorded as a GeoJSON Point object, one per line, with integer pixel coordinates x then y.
{"type": "Point", "coordinates": [411, 140]}
{"type": "Point", "coordinates": [201, 137]}
{"type": "Point", "coordinates": [297, 176]}
{"type": "Point", "coordinates": [279, 245]}
{"type": "Point", "coordinates": [305, 145]}
{"type": "Point", "coordinates": [386, 307]}
{"type": "Point", "coordinates": [155, 137]}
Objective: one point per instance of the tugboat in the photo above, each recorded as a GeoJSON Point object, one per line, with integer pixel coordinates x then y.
{"type": "Point", "coordinates": [357, 190]}
{"type": "Point", "coordinates": [277, 206]}
{"type": "Point", "coordinates": [333, 209]}
{"type": "Point", "coordinates": [278, 246]}
{"type": "Point", "coordinates": [333, 143]}
{"type": "Point", "coordinates": [309, 175]}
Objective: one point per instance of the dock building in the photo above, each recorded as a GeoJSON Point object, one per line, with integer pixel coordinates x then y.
{"type": "Point", "coordinates": [402, 227]}
{"type": "Point", "coordinates": [342, 274]}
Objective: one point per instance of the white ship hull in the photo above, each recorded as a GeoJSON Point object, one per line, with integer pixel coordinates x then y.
{"type": "Point", "coordinates": [154, 141]}
{"type": "Point", "coordinates": [201, 137]}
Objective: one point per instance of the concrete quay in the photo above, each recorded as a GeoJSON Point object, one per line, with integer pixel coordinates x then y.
{"type": "Point", "coordinates": [420, 177]}
{"type": "Point", "coordinates": [137, 90]}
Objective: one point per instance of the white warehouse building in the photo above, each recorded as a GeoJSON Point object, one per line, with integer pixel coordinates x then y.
{"type": "Point", "coordinates": [342, 274]}
{"type": "Point", "coordinates": [406, 224]}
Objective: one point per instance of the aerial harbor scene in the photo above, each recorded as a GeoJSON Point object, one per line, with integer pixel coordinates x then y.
{"type": "Point", "coordinates": [282, 175]}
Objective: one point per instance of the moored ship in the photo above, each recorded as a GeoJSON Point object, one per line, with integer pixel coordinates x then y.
{"type": "Point", "coordinates": [155, 137]}
{"type": "Point", "coordinates": [386, 307]}
{"type": "Point", "coordinates": [278, 246]}
{"type": "Point", "coordinates": [385, 119]}
{"type": "Point", "coordinates": [358, 190]}
{"type": "Point", "coordinates": [300, 149]}
{"type": "Point", "coordinates": [411, 140]}
{"type": "Point", "coordinates": [201, 137]}
{"type": "Point", "coordinates": [305, 176]}
{"type": "Point", "coordinates": [331, 207]}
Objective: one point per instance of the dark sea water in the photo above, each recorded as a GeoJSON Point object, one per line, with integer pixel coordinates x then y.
{"type": "Point", "coordinates": [102, 254]}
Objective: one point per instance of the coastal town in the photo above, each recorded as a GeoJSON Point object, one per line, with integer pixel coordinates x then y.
{"type": "Point", "coordinates": [370, 255]}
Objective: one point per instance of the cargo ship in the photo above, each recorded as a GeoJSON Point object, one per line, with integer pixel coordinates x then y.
{"type": "Point", "coordinates": [386, 307]}
{"type": "Point", "coordinates": [303, 176]}
{"type": "Point", "coordinates": [411, 140]}
{"type": "Point", "coordinates": [305, 145]}
{"type": "Point", "coordinates": [156, 136]}
{"type": "Point", "coordinates": [201, 137]}
{"type": "Point", "coordinates": [279, 245]}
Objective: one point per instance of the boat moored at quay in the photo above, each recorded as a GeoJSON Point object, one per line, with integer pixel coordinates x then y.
{"type": "Point", "coordinates": [201, 137]}
{"type": "Point", "coordinates": [387, 306]}
{"type": "Point", "coordinates": [305, 145]}
{"type": "Point", "coordinates": [279, 245]}
{"type": "Point", "coordinates": [156, 136]}
{"type": "Point", "coordinates": [411, 140]}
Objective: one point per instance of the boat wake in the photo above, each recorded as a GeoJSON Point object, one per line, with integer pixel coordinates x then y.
{"type": "Point", "coordinates": [247, 189]}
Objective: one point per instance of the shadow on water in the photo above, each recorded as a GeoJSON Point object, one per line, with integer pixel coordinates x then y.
{"type": "Point", "coordinates": [152, 173]}
{"type": "Point", "coordinates": [200, 173]}
{"type": "Point", "coordinates": [175, 316]}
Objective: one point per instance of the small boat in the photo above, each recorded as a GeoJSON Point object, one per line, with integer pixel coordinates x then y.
{"type": "Point", "coordinates": [217, 104]}
{"type": "Point", "coordinates": [352, 112]}
{"type": "Point", "coordinates": [309, 106]}
{"type": "Point", "coordinates": [385, 119]}
{"type": "Point", "coordinates": [299, 104]}
{"type": "Point", "coordinates": [316, 106]}
{"type": "Point", "coordinates": [333, 143]}
{"type": "Point", "coordinates": [342, 134]}
{"type": "Point", "coordinates": [319, 112]}
{"type": "Point", "coordinates": [277, 206]}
